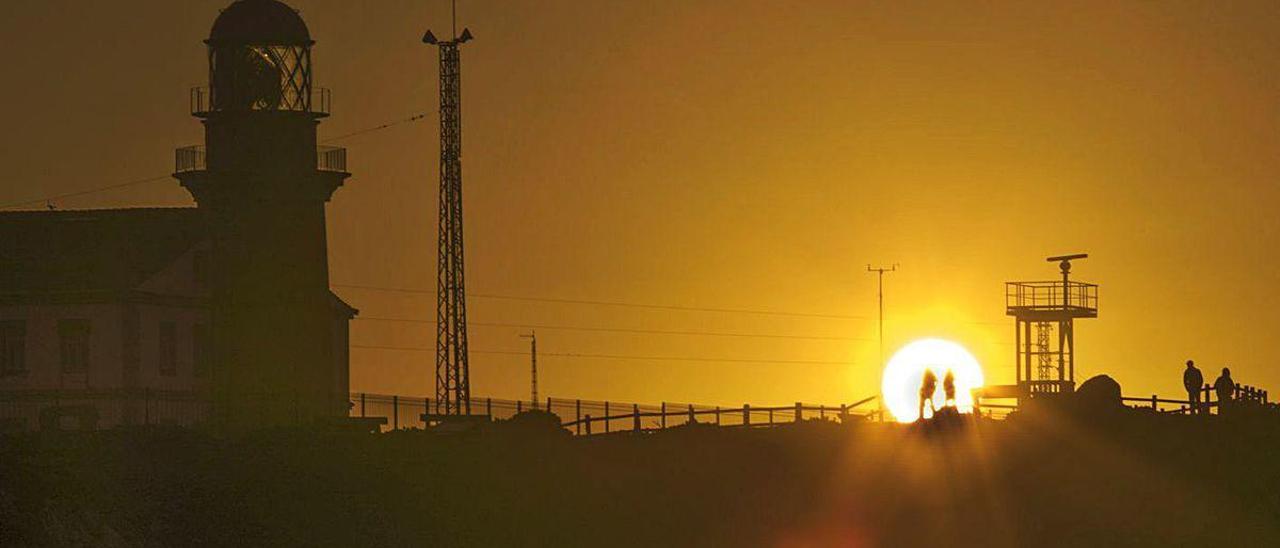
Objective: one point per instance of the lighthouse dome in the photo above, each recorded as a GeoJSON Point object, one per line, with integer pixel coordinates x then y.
{"type": "Point", "coordinates": [264, 22]}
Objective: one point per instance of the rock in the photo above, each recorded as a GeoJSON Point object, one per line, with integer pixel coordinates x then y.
{"type": "Point", "coordinates": [1099, 392]}
{"type": "Point", "coordinates": [533, 422]}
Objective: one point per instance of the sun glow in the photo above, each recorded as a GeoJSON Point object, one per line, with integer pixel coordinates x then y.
{"type": "Point", "coordinates": [904, 373]}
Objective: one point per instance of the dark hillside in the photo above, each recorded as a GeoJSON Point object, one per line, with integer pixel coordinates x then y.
{"type": "Point", "coordinates": [1040, 479]}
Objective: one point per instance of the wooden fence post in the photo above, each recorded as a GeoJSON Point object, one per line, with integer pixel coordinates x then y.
{"type": "Point", "coordinates": [799, 412]}
{"type": "Point", "coordinates": [488, 407]}
{"type": "Point", "coordinates": [746, 414]}
{"type": "Point", "coordinates": [588, 424]}
{"type": "Point", "coordinates": [692, 420]}
{"type": "Point", "coordinates": [548, 404]}
{"type": "Point", "coordinates": [635, 417]}
{"type": "Point", "coordinates": [664, 415]}
{"type": "Point", "coordinates": [717, 415]}
{"type": "Point", "coordinates": [1153, 402]}
{"type": "Point", "coordinates": [426, 409]}
{"type": "Point", "coordinates": [606, 416]}
{"type": "Point", "coordinates": [519, 406]}
{"type": "Point", "coordinates": [577, 415]}
{"type": "Point", "coordinates": [771, 415]}
{"type": "Point", "coordinates": [844, 412]}
{"type": "Point", "coordinates": [395, 412]}
{"type": "Point", "coordinates": [822, 412]}
{"type": "Point", "coordinates": [362, 405]}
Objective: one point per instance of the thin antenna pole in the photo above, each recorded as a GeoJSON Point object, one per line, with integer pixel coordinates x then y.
{"type": "Point", "coordinates": [533, 366]}
{"type": "Point", "coordinates": [880, 295]}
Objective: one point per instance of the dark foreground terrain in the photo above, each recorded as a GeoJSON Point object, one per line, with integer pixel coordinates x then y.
{"type": "Point", "coordinates": [1122, 478]}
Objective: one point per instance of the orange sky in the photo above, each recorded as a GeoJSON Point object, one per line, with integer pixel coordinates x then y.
{"type": "Point", "coordinates": [738, 155]}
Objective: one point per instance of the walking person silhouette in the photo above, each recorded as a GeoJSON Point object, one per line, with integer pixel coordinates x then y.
{"type": "Point", "coordinates": [928, 386]}
{"type": "Point", "coordinates": [1193, 381]}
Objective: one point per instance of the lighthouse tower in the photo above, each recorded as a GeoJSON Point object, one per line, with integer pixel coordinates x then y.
{"type": "Point", "coordinates": [278, 334]}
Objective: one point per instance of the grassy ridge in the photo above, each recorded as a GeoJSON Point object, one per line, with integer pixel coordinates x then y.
{"type": "Point", "coordinates": [1124, 478]}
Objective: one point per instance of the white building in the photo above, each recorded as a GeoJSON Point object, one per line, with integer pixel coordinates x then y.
{"type": "Point", "coordinates": [104, 319]}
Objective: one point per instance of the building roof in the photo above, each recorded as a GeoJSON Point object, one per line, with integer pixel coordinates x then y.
{"type": "Point", "coordinates": [93, 249]}
{"type": "Point", "coordinates": [259, 22]}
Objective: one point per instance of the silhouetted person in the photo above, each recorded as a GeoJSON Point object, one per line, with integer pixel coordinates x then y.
{"type": "Point", "coordinates": [949, 389]}
{"type": "Point", "coordinates": [928, 386]}
{"type": "Point", "coordinates": [1193, 381]}
{"type": "Point", "coordinates": [1226, 389]}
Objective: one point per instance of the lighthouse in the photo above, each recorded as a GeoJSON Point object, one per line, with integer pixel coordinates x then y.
{"type": "Point", "coordinates": [261, 183]}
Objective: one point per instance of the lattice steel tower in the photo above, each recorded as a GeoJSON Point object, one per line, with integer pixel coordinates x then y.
{"type": "Point", "coordinates": [453, 384]}
{"type": "Point", "coordinates": [1049, 306]}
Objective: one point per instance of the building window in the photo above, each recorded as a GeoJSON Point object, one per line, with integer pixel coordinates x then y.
{"type": "Point", "coordinates": [168, 349]}
{"type": "Point", "coordinates": [13, 348]}
{"type": "Point", "coordinates": [200, 350]}
{"type": "Point", "coordinates": [74, 336]}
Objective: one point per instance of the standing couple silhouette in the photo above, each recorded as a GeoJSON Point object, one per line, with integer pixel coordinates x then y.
{"type": "Point", "coordinates": [929, 386]}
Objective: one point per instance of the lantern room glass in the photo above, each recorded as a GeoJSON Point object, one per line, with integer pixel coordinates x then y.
{"type": "Point", "coordinates": [260, 78]}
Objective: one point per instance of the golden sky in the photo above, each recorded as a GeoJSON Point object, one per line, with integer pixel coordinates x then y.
{"type": "Point", "coordinates": [746, 155]}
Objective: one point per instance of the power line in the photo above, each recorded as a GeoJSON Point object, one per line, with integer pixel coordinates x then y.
{"type": "Point", "coordinates": [615, 303]}
{"type": "Point", "coordinates": [633, 305]}
{"type": "Point", "coordinates": [613, 356]}
{"type": "Point", "coordinates": [387, 125]}
{"type": "Point", "coordinates": [625, 330]}
{"type": "Point", "coordinates": [167, 176]}
{"type": "Point", "coordinates": [48, 199]}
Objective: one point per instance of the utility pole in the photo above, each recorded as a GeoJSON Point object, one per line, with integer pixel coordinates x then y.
{"type": "Point", "coordinates": [533, 365]}
{"type": "Point", "coordinates": [880, 270]}
{"type": "Point", "coordinates": [453, 373]}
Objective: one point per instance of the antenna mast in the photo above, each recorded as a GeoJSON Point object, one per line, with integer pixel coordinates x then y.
{"type": "Point", "coordinates": [453, 374]}
{"type": "Point", "coordinates": [533, 366]}
{"type": "Point", "coordinates": [880, 293]}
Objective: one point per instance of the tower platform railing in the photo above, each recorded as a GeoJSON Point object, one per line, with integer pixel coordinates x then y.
{"type": "Point", "coordinates": [195, 158]}
{"type": "Point", "coordinates": [319, 102]}
{"type": "Point", "coordinates": [1081, 299]}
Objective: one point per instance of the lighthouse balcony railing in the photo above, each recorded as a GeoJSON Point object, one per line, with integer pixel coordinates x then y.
{"type": "Point", "coordinates": [190, 158]}
{"type": "Point", "coordinates": [316, 101]}
{"type": "Point", "coordinates": [196, 158]}
{"type": "Point", "coordinates": [330, 158]}
{"type": "Point", "coordinates": [1076, 297]}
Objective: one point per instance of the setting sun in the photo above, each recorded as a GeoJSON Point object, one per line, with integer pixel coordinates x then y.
{"type": "Point", "coordinates": [906, 369]}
